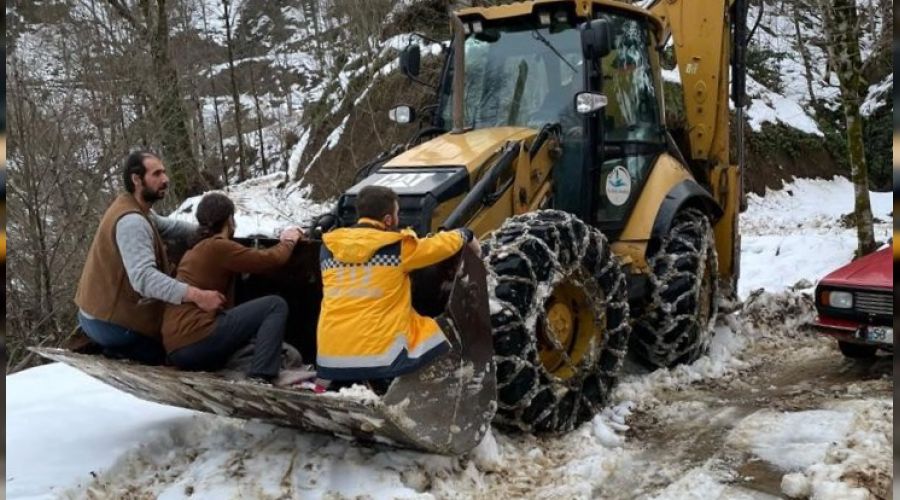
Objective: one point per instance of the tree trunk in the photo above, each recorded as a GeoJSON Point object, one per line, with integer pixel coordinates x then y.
{"type": "Point", "coordinates": [175, 137]}
{"type": "Point", "coordinates": [221, 139]}
{"type": "Point", "coordinates": [842, 25]}
{"type": "Point", "coordinates": [259, 133]}
{"type": "Point", "coordinates": [804, 56]}
{"type": "Point", "coordinates": [200, 128]}
{"type": "Point", "coordinates": [229, 43]}
{"type": "Point", "coordinates": [859, 173]}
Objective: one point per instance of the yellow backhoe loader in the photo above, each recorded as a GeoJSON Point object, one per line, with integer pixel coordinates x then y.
{"type": "Point", "coordinates": [601, 231]}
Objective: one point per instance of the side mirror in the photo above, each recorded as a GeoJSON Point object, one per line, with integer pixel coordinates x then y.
{"type": "Point", "coordinates": [587, 103]}
{"type": "Point", "coordinates": [402, 114]}
{"type": "Point", "coordinates": [410, 57]}
{"type": "Point", "coordinates": [596, 38]}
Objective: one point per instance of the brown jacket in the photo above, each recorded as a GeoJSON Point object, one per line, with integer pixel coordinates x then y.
{"type": "Point", "coordinates": [212, 265]}
{"type": "Point", "coordinates": [104, 290]}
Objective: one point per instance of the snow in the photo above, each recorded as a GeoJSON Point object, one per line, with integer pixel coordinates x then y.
{"type": "Point", "coordinates": [671, 75]}
{"type": "Point", "coordinates": [49, 450]}
{"type": "Point", "coordinates": [721, 360]}
{"type": "Point", "coordinates": [69, 435]}
{"type": "Point", "coordinates": [701, 484]}
{"type": "Point", "coordinates": [879, 94]}
{"type": "Point", "coordinates": [791, 440]}
{"type": "Point", "coordinates": [486, 455]}
{"type": "Point", "coordinates": [262, 206]}
{"type": "Point", "coordinates": [390, 46]}
{"type": "Point", "coordinates": [767, 106]}
{"type": "Point", "coordinates": [865, 445]}
{"type": "Point", "coordinates": [780, 230]}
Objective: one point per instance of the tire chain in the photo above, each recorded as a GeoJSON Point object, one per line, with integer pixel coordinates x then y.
{"type": "Point", "coordinates": [526, 258]}
{"type": "Point", "coordinates": [669, 331]}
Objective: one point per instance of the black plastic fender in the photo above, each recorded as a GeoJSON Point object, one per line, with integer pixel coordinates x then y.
{"type": "Point", "coordinates": [686, 193]}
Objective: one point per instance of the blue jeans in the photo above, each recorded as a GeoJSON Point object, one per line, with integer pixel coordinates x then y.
{"type": "Point", "coordinates": [120, 342]}
{"type": "Point", "coordinates": [260, 321]}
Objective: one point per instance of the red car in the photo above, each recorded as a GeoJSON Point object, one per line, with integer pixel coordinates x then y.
{"type": "Point", "coordinates": [856, 305]}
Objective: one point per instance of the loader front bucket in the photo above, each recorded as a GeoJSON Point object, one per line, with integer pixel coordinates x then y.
{"type": "Point", "coordinates": [445, 408]}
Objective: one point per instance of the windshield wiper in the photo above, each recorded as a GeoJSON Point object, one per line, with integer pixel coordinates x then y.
{"type": "Point", "coordinates": [543, 39]}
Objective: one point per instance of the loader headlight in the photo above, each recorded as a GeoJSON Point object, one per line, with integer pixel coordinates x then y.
{"type": "Point", "coordinates": [838, 300]}
{"type": "Point", "coordinates": [401, 114]}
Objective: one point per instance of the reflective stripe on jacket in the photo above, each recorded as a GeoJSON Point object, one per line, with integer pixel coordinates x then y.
{"type": "Point", "coordinates": [367, 325]}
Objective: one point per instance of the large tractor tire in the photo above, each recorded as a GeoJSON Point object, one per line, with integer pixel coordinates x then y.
{"type": "Point", "coordinates": [677, 324]}
{"type": "Point", "coordinates": [559, 316]}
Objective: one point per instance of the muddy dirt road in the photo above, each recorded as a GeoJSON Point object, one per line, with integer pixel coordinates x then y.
{"type": "Point", "coordinates": [694, 427]}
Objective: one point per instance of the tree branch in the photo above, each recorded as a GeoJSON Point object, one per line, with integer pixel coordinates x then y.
{"type": "Point", "coordinates": [122, 9]}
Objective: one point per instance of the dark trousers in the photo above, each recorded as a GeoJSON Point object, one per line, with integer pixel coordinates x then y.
{"type": "Point", "coordinates": [261, 321]}
{"type": "Point", "coordinates": [120, 342]}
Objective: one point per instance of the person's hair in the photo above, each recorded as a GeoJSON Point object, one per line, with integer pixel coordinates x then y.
{"type": "Point", "coordinates": [374, 202]}
{"type": "Point", "coordinates": [134, 164]}
{"type": "Point", "coordinates": [213, 213]}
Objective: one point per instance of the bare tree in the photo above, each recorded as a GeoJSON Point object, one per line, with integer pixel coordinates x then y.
{"type": "Point", "coordinates": [842, 27]}
{"type": "Point", "coordinates": [221, 138]}
{"type": "Point", "coordinates": [235, 96]}
{"type": "Point", "coordinates": [216, 115]}
{"type": "Point", "coordinates": [259, 125]}
{"type": "Point", "coordinates": [803, 49]}
{"type": "Point", "coordinates": [53, 210]}
{"type": "Point", "coordinates": [149, 19]}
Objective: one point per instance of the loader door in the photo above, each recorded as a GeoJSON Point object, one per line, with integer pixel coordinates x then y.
{"type": "Point", "coordinates": [632, 132]}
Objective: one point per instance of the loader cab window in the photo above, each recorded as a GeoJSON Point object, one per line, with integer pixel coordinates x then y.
{"type": "Point", "coordinates": [519, 73]}
{"type": "Point", "coordinates": [629, 83]}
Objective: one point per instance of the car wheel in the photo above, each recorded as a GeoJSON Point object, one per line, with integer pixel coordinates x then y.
{"type": "Point", "coordinates": [857, 351]}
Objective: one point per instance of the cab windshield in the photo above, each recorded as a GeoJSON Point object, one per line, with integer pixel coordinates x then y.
{"type": "Point", "coordinates": [519, 74]}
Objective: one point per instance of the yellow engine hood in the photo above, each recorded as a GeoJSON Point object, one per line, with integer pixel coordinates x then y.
{"type": "Point", "coordinates": [470, 149]}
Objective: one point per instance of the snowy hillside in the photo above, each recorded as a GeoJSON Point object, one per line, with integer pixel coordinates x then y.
{"type": "Point", "coordinates": [315, 66]}
{"type": "Point", "coordinates": [796, 233]}
{"type": "Point", "coordinates": [772, 410]}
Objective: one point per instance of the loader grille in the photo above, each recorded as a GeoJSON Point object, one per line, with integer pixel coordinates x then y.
{"type": "Point", "coordinates": [874, 303]}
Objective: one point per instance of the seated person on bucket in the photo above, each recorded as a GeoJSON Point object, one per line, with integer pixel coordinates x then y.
{"type": "Point", "coordinates": [125, 282]}
{"type": "Point", "coordinates": [367, 327]}
{"type": "Point", "coordinates": [201, 340]}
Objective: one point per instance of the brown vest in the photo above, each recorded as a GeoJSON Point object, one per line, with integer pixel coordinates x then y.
{"type": "Point", "coordinates": [104, 291]}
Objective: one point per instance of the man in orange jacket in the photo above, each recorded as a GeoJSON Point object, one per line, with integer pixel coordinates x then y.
{"type": "Point", "coordinates": [368, 328]}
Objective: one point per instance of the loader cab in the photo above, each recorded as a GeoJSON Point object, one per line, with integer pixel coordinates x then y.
{"type": "Point", "coordinates": [526, 71]}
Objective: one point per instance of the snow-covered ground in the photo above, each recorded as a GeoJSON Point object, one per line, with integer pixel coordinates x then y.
{"type": "Point", "coordinates": [772, 409]}
{"type": "Point", "coordinates": [796, 233]}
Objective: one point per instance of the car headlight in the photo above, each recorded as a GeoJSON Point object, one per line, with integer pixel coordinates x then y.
{"type": "Point", "coordinates": [838, 300]}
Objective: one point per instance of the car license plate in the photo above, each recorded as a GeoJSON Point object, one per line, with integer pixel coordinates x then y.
{"type": "Point", "coordinates": [880, 334]}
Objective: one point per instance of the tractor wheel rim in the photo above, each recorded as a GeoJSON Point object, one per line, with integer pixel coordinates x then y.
{"type": "Point", "coordinates": [560, 323]}
{"type": "Point", "coordinates": [566, 331]}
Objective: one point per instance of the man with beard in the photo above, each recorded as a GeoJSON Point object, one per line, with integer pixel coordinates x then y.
{"type": "Point", "coordinates": [125, 281]}
{"type": "Point", "coordinates": [368, 329]}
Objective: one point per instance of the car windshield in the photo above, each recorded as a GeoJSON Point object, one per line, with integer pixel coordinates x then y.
{"type": "Point", "coordinates": [519, 75]}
